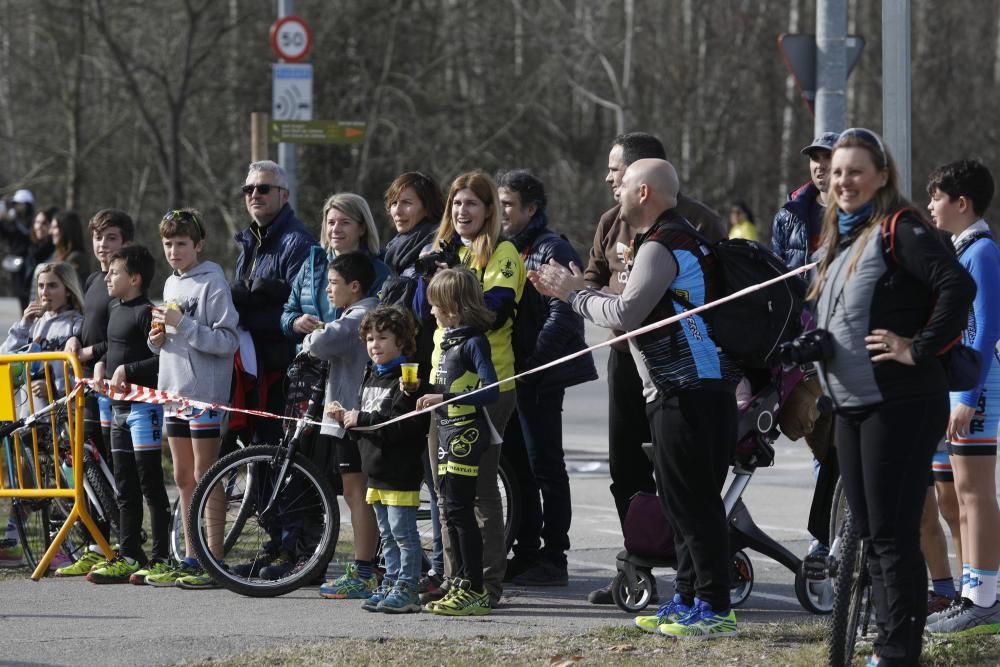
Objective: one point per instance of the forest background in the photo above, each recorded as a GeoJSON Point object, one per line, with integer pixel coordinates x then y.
{"type": "Point", "coordinates": [146, 106]}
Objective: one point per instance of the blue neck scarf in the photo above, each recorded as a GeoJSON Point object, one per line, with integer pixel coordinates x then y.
{"type": "Point", "coordinates": [846, 222]}
{"type": "Point", "coordinates": [382, 369]}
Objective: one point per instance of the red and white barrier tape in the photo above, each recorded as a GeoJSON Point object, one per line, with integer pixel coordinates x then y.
{"type": "Point", "coordinates": [142, 394]}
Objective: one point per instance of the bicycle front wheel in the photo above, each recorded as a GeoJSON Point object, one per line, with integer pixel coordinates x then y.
{"type": "Point", "coordinates": [852, 603]}
{"type": "Point", "coordinates": [249, 507]}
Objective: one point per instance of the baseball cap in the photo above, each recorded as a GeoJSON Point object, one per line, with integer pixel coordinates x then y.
{"type": "Point", "coordinates": [823, 142]}
{"type": "Point", "coordinates": [24, 197]}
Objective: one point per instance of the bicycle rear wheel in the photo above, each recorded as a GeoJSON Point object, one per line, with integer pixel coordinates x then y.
{"type": "Point", "coordinates": [246, 505]}
{"type": "Point", "coordinates": [852, 602]}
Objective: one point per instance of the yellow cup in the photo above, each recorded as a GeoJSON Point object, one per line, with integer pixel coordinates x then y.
{"type": "Point", "coordinates": [411, 379]}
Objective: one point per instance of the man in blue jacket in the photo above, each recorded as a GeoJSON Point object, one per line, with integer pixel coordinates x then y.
{"type": "Point", "coordinates": [272, 250]}
{"type": "Point", "coordinates": [799, 223]}
{"type": "Point", "coordinates": [545, 329]}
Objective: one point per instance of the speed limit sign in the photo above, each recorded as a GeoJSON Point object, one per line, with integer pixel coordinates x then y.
{"type": "Point", "coordinates": [291, 39]}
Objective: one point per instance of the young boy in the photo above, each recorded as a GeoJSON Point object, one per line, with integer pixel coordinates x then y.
{"type": "Point", "coordinates": [391, 456]}
{"type": "Point", "coordinates": [110, 230]}
{"type": "Point", "coordinates": [136, 428]}
{"type": "Point", "coordinates": [960, 193]}
{"type": "Point", "coordinates": [195, 336]}
{"type": "Point", "coordinates": [350, 277]}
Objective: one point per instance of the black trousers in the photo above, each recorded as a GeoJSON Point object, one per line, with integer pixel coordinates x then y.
{"type": "Point", "coordinates": [885, 452]}
{"type": "Point", "coordinates": [628, 428]}
{"type": "Point", "coordinates": [694, 435]}
{"type": "Point", "coordinates": [533, 445]}
{"type": "Point", "coordinates": [459, 494]}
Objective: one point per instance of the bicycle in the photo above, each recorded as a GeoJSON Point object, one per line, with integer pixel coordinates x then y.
{"type": "Point", "coordinates": [256, 498]}
{"type": "Point", "coordinates": [37, 520]}
{"type": "Point", "coordinates": [853, 612]}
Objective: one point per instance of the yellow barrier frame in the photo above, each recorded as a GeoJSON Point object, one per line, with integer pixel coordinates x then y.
{"type": "Point", "coordinates": [77, 493]}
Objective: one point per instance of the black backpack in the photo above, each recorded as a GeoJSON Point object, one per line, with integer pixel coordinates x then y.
{"type": "Point", "coordinates": [750, 328]}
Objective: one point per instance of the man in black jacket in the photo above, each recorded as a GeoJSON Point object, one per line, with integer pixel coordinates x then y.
{"type": "Point", "coordinates": [545, 329]}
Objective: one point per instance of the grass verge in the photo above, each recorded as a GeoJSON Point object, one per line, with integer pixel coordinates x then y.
{"type": "Point", "coordinates": [794, 645]}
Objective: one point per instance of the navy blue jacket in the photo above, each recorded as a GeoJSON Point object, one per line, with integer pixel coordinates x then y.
{"type": "Point", "coordinates": [546, 328]}
{"type": "Point", "coordinates": [794, 223]}
{"type": "Point", "coordinates": [265, 272]}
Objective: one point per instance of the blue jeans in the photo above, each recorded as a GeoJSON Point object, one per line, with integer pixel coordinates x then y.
{"type": "Point", "coordinates": [400, 543]}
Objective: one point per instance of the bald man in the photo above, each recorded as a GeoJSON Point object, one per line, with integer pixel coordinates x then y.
{"type": "Point", "coordinates": [688, 384]}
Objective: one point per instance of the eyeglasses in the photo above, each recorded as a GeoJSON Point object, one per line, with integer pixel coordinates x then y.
{"type": "Point", "coordinates": [179, 214]}
{"type": "Point", "coordinates": [866, 136]}
{"type": "Point", "coordinates": [263, 188]}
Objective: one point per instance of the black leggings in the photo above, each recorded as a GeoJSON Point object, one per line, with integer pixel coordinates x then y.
{"type": "Point", "coordinates": [137, 475]}
{"type": "Point", "coordinates": [885, 452]}
{"type": "Point", "coordinates": [459, 494]}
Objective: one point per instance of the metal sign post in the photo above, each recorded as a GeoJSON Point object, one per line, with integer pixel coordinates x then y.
{"type": "Point", "coordinates": [896, 87]}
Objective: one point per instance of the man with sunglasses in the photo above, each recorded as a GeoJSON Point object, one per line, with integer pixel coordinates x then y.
{"type": "Point", "coordinates": [272, 249]}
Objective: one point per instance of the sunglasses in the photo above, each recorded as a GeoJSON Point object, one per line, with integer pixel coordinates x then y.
{"type": "Point", "coordinates": [866, 136]}
{"type": "Point", "coordinates": [262, 188]}
{"type": "Point", "coordinates": [186, 216]}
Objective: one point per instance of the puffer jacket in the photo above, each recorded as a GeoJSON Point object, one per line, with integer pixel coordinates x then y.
{"type": "Point", "coordinates": [308, 295]}
{"type": "Point", "coordinates": [265, 272]}
{"type": "Point", "coordinates": [546, 328]}
{"type": "Point", "coordinates": [794, 224]}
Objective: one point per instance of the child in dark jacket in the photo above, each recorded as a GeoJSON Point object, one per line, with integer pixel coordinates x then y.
{"type": "Point", "coordinates": [391, 455]}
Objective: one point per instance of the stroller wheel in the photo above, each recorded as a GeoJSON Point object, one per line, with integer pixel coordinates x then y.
{"type": "Point", "coordinates": [815, 595]}
{"type": "Point", "coordinates": [632, 596]}
{"type": "Point", "coordinates": [742, 578]}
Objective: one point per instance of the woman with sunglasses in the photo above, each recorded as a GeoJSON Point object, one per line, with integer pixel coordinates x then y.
{"type": "Point", "coordinates": [66, 235]}
{"type": "Point", "coordinates": [469, 234]}
{"type": "Point", "coordinates": [892, 297]}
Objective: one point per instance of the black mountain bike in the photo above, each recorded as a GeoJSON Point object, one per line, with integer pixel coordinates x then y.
{"type": "Point", "coordinates": [261, 499]}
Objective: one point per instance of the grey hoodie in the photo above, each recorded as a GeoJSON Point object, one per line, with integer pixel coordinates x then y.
{"type": "Point", "coordinates": [340, 343]}
{"type": "Point", "coordinates": [197, 361]}
{"type": "Point", "coordinates": [50, 331]}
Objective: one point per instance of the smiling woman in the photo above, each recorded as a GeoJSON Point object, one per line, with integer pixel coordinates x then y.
{"type": "Point", "coordinates": [348, 226]}
{"type": "Point", "coordinates": [893, 298]}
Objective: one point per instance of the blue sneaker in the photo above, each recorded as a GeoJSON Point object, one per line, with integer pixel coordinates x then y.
{"type": "Point", "coordinates": [702, 622]}
{"type": "Point", "coordinates": [669, 612]}
{"type": "Point", "coordinates": [371, 604]}
{"type": "Point", "coordinates": [402, 599]}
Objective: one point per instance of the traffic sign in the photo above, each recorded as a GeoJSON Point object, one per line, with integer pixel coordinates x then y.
{"type": "Point", "coordinates": [292, 92]}
{"type": "Point", "coordinates": [291, 39]}
{"type": "Point", "coordinates": [316, 132]}
{"type": "Point", "coordinates": [799, 53]}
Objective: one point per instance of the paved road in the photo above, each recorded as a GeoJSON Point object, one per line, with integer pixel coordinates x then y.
{"type": "Point", "coordinates": [72, 622]}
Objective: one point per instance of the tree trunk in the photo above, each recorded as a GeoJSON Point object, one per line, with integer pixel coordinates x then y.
{"type": "Point", "coordinates": [792, 102]}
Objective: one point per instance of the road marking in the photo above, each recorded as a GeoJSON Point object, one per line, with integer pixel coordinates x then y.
{"type": "Point", "coordinates": [775, 596]}
{"type": "Point", "coordinates": [603, 567]}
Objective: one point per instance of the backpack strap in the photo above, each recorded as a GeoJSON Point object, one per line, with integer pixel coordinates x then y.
{"type": "Point", "coordinates": [969, 240]}
{"type": "Point", "coordinates": [889, 233]}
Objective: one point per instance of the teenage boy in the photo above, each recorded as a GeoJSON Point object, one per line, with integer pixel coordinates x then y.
{"type": "Point", "coordinates": [110, 230]}
{"type": "Point", "coordinates": [351, 276]}
{"type": "Point", "coordinates": [195, 336]}
{"type": "Point", "coordinates": [960, 193]}
{"type": "Point", "coordinates": [136, 428]}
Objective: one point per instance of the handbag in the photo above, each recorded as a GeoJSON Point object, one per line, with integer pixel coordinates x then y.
{"type": "Point", "coordinates": [962, 365]}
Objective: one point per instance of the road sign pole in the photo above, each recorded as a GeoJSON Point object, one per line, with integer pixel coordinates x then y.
{"type": "Point", "coordinates": [896, 86]}
{"type": "Point", "coordinates": [287, 153]}
{"type": "Point", "coordinates": [831, 66]}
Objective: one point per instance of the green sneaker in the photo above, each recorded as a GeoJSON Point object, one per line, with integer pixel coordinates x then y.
{"type": "Point", "coordinates": [461, 600]}
{"type": "Point", "coordinates": [349, 586]}
{"type": "Point", "coordinates": [84, 564]}
{"type": "Point", "coordinates": [168, 578]}
{"type": "Point", "coordinates": [116, 571]}
{"type": "Point", "coordinates": [669, 612]}
{"type": "Point", "coordinates": [152, 568]}
{"type": "Point", "coordinates": [701, 623]}
{"type": "Point", "coordinates": [196, 581]}
{"type": "Point", "coordinates": [11, 553]}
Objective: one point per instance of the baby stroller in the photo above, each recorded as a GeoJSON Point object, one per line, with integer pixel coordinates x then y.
{"type": "Point", "coordinates": [649, 536]}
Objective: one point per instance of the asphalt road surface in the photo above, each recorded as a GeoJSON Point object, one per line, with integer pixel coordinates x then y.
{"type": "Point", "coordinates": [64, 622]}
